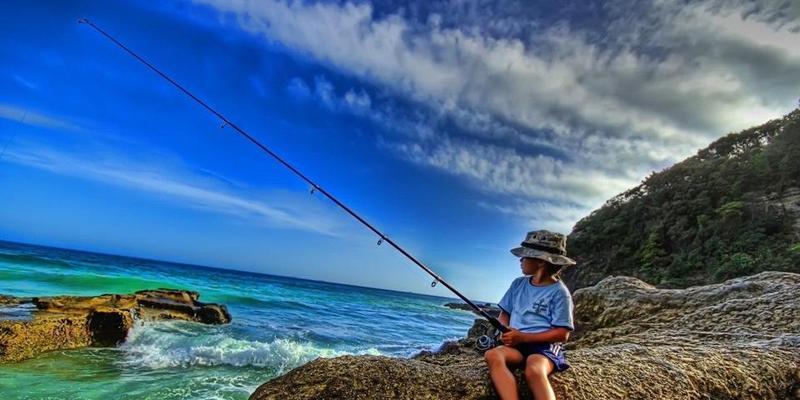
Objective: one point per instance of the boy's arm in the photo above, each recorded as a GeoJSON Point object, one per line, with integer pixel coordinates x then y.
{"type": "Point", "coordinates": [553, 335]}
{"type": "Point", "coordinates": [504, 318]}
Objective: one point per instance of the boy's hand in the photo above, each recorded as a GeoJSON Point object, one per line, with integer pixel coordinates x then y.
{"type": "Point", "coordinates": [512, 338]}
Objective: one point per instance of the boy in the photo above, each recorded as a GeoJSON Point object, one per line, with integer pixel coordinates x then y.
{"type": "Point", "coordinates": [538, 310]}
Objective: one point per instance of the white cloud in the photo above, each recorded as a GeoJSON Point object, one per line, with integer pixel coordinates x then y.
{"type": "Point", "coordinates": [355, 101]}
{"type": "Point", "coordinates": [323, 90]}
{"type": "Point", "coordinates": [574, 84]}
{"type": "Point", "coordinates": [660, 81]}
{"type": "Point", "coordinates": [504, 170]}
{"type": "Point", "coordinates": [298, 89]}
{"type": "Point", "coordinates": [558, 217]}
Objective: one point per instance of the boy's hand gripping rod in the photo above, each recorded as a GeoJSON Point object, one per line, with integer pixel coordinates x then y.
{"type": "Point", "coordinates": [315, 187]}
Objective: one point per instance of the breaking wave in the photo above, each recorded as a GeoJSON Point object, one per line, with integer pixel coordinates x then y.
{"type": "Point", "coordinates": [176, 344]}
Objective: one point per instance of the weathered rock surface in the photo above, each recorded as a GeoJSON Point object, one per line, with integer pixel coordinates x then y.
{"type": "Point", "coordinates": [69, 322]}
{"type": "Point", "coordinates": [735, 340]}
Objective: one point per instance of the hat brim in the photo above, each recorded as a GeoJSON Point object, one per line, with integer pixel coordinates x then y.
{"type": "Point", "coordinates": [543, 255]}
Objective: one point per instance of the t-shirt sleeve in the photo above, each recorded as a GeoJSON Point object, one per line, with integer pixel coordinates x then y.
{"type": "Point", "coordinates": [506, 303]}
{"type": "Point", "coordinates": [561, 316]}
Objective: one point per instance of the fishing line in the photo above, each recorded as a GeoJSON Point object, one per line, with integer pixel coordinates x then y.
{"type": "Point", "coordinates": [382, 238]}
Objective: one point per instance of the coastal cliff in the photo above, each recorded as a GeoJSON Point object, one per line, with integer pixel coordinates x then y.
{"type": "Point", "coordinates": [739, 339]}
{"type": "Point", "coordinates": [731, 210]}
{"type": "Point", "coordinates": [36, 325]}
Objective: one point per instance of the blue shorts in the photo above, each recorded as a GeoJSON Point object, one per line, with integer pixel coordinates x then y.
{"type": "Point", "coordinates": [553, 351]}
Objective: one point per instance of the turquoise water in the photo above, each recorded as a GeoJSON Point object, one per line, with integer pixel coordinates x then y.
{"type": "Point", "coordinates": [278, 323]}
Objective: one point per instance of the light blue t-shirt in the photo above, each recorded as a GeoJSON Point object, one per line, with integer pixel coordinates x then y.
{"type": "Point", "coordinates": [537, 308]}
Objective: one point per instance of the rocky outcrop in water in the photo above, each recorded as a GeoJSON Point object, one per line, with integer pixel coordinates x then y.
{"type": "Point", "coordinates": [486, 307]}
{"type": "Point", "coordinates": [9, 300]}
{"type": "Point", "coordinates": [69, 322]}
{"type": "Point", "coordinates": [736, 340]}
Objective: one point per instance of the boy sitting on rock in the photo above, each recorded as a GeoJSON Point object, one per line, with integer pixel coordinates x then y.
{"type": "Point", "coordinates": [538, 310]}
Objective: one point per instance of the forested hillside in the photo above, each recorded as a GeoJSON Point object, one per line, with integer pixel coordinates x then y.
{"type": "Point", "coordinates": [731, 210]}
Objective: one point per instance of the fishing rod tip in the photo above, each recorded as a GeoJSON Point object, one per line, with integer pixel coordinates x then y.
{"type": "Point", "coordinates": [83, 21]}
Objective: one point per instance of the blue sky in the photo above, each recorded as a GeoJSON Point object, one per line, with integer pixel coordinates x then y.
{"type": "Point", "coordinates": [453, 126]}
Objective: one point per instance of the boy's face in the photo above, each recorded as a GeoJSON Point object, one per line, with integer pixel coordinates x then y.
{"type": "Point", "coordinates": [529, 265]}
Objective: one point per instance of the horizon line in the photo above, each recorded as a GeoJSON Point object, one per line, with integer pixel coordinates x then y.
{"type": "Point", "coordinates": [185, 264]}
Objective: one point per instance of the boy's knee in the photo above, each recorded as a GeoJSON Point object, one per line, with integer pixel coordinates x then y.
{"type": "Point", "coordinates": [493, 357]}
{"type": "Point", "coordinates": [534, 371]}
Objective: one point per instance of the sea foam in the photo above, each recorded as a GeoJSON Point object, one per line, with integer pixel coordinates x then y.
{"type": "Point", "coordinates": [175, 344]}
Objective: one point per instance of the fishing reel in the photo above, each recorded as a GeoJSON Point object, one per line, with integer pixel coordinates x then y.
{"type": "Point", "coordinates": [488, 341]}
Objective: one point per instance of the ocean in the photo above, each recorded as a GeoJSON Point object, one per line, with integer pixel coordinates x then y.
{"type": "Point", "coordinates": [279, 323]}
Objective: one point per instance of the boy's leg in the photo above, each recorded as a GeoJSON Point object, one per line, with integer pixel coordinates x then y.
{"type": "Point", "coordinates": [499, 359]}
{"type": "Point", "coordinates": [537, 369]}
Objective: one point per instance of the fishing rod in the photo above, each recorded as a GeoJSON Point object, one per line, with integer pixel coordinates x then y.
{"type": "Point", "coordinates": [314, 186]}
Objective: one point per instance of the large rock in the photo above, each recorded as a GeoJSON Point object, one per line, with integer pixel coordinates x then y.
{"type": "Point", "coordinates": [68, 322]}
{"type": "Point", "coordinates": [735, 340]}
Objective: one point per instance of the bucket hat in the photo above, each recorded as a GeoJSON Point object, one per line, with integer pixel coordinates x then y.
{"type": "Point", "coordinates": [545, 245]}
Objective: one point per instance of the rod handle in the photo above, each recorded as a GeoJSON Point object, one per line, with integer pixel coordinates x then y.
{"type": "Point", "coordinates": [498, 325]}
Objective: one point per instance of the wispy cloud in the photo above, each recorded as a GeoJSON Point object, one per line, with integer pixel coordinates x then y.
{"type": "Point", "coordinates": [25, 82]}
{"type": "Point", "coordinates": [355, 101]}
{"type": "Point", "coordinates": [33, 118]}
{"type": "Point", "coordinates": [275, 208]}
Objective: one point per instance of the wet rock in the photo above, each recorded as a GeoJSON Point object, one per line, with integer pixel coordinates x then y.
{"type": "Point", "coordinates": [736, 340]}
{"type": "Point", "coordinates": [83, 304]}
{"type": "Point", "coordinates": [178, 296]}
{"type": "Point", "coordinates": [108, 326]}
{"type": "Point", "coordinates": [213, 314]}
{"type": "Point", "coordinates": [68, 322]}
{"type": "Point", "coordinates": [156, 308]}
